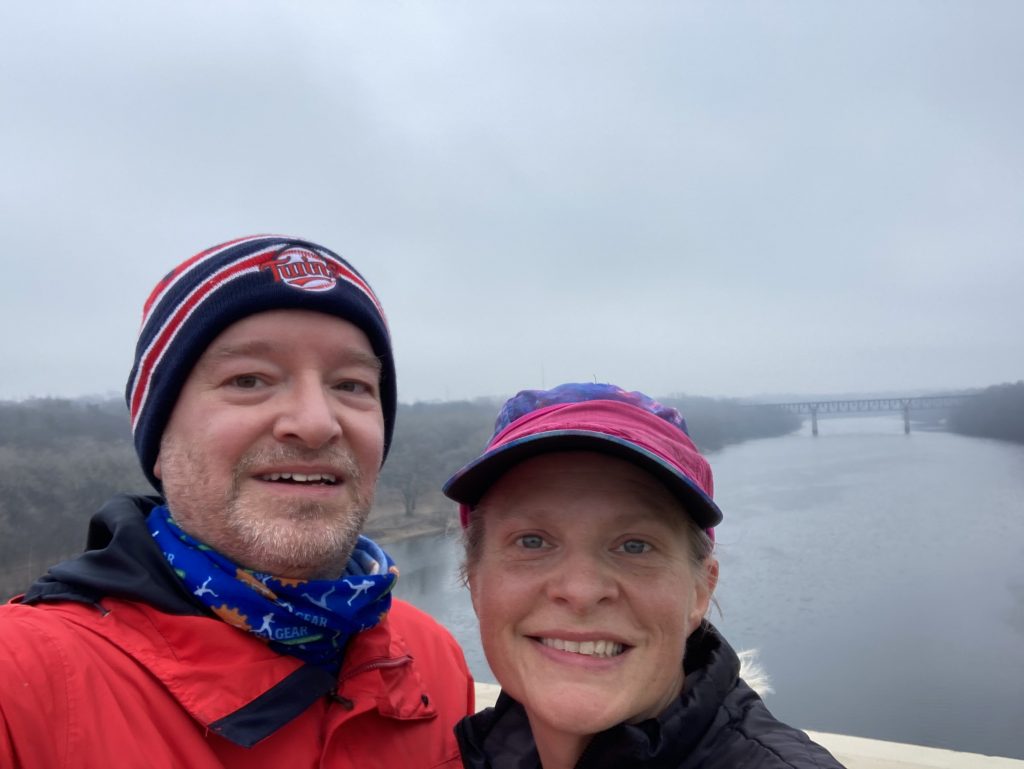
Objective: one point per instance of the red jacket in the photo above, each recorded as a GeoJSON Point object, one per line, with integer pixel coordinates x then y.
{"type": "Point", "coordinates": [139, 688]}
{"type": "Point", "coordinates": [116, 683]}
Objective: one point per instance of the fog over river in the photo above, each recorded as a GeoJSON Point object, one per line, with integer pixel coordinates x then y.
{"type": "Point", "coordinates": [880, 575]}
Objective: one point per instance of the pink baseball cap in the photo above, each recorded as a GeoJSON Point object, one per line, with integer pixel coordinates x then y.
{"type": "Point", "coordinates": [592, 417]}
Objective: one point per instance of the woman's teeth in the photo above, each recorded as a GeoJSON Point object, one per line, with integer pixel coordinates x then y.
{"type": "Point", "coordinates": [589, 648]}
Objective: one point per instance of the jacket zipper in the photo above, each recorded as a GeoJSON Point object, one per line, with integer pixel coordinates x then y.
{"type": "Point", "coordinates": [384, 662]}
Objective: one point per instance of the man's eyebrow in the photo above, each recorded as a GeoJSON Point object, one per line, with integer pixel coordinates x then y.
{"type": "Point", "coordinates": [258, 347]}
{"type": "Point", "coordinates": [228, 351]}
{"type": "Point", "coordinates": [360, 358]}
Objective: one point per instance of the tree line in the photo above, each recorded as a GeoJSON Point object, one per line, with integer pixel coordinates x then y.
{"type": "Point", "coordinates": [995, 412]}
{"type": "Point", "coordinates": [61, 459]}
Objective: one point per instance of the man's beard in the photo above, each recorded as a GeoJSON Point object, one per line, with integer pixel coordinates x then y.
{"type": "Point", "coordinates": [296, 539]}
{"type": "Point", "coordinates": [312, 540]}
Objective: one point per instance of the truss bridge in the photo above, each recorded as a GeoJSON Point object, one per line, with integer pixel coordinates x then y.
{"type": "Point", "coordinates": [898, 404]}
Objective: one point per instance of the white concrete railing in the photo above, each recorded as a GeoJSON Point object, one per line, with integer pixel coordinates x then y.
{"type": "Point", "coordinates": [860, 752]}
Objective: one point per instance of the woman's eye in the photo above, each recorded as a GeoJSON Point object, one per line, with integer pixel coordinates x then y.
{"type": "Point", "coordinates": [635, 546]}
{"type": "Point", "coordinates": [531, 541]}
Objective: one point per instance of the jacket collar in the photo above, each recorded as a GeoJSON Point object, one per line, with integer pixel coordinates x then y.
{"type": "Point", "coordinates": [227, 680]}
{"type": "Point", "coordinates": [120, 560]}
{"type": "Point", "coordinates": [239, 688]}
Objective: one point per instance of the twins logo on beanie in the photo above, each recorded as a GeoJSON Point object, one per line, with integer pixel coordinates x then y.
{"type": "Point", "coordinates": [205, 294]}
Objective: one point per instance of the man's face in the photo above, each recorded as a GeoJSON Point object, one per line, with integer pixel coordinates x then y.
{"type": "Point", "coordinates": [273, 449]}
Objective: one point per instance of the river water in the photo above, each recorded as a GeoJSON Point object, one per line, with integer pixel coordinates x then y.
{"type": "Point", "coordinates": [880, 576]}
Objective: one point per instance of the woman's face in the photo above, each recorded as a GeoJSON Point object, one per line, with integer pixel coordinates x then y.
{"type": "Point", "coordinates": [586, 591]}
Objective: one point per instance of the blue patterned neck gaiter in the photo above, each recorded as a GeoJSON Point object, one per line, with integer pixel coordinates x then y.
{"type": "Point", "coordinates": [311, 619]}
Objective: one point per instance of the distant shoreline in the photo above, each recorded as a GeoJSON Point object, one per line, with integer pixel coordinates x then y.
{"type": "Point", "coordinates": [398, 527]}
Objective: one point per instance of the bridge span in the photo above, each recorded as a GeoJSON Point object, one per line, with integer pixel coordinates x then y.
{"type": "Point", "coordinates": [891, 404]}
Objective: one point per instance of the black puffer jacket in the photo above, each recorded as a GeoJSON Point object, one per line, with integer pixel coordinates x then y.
{"type": "Point", "coordinates": [718, 722]}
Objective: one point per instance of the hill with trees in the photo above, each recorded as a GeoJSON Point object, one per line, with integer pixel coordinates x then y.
{"type": "Point", "coordinates": [996, 412]}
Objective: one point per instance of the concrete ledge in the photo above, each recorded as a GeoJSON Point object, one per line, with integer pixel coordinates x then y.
{"type": "Point", "coordinates": [863, 753]}
{"type": "Point", "coordinates": [860, 752]}
{"type": "Point", "coordinates": [486, 695]}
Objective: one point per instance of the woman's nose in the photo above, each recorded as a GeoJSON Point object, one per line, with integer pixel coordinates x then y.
{"type": "Point", "coordinates": [582, 581]}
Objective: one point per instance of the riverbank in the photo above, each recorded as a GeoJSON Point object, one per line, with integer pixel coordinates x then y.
{"type": "Point", "coordinates": [995, 412]}
{"type": "Point", "coordinates": [388, 528]}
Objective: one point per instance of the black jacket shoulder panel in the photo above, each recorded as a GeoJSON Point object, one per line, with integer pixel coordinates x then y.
{"type": "Point", "coordinates": [121, 560]}
{"type": "Point", "coordinates": [498, 738]}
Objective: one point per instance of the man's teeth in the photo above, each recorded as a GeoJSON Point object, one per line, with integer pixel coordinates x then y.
{"type": "Point", "coordinates": [590, 648]}
{"type": "Point", "coordinates": [301, 477]}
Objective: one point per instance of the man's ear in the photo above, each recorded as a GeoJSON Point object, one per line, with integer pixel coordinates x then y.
{"type": "Point", "coordinates": [156, 467]}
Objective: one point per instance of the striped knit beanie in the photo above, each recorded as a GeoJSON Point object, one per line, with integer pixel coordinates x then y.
{"type": "Point", "coordinates": [204, 295]}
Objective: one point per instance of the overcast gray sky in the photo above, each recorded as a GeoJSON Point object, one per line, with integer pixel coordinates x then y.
{"type": "Point", "coordinates": [726, 199]}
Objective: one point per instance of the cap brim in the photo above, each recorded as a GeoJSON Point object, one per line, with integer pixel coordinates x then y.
{"type": "Point", "coordinates": [470, 484]}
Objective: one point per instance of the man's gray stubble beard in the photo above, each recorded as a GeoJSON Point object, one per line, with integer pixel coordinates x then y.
{"type": "Point", "coordinates": [298, 545]}
{"type": "Point", "coordinates": [313, 541]}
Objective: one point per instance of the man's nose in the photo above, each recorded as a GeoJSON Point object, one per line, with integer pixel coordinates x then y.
{"type": "Point", "coordinates": [309, 415]}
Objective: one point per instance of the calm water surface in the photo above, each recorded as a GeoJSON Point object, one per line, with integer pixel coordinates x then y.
{"type": "Point", "coordinates": [880, 575]}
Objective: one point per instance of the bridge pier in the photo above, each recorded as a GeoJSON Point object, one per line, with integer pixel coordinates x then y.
{"type": "Point", "coordinates": [814, 420]}
{"type": "Point", "coordinates": [906, 417]}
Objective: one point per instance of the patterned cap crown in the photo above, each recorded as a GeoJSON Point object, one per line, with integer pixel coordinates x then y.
{"type": "Point", "coordinates": [592, 417]}
{"type": "Point", "coordinates": [526, 401]}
